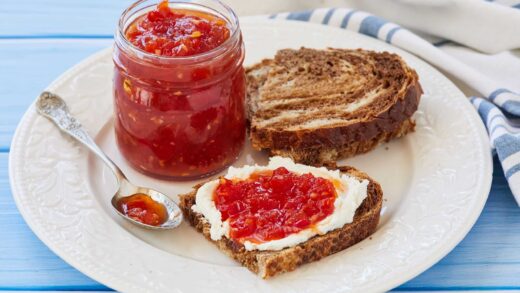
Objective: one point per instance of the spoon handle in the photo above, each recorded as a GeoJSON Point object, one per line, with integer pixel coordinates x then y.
{"type": "Point", "coordinates": [55, 109]}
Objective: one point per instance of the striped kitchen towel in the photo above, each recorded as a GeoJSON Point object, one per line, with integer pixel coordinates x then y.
{"type": "Point", "coordinates": [497, 106]}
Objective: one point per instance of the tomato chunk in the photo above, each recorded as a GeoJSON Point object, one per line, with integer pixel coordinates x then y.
{"type": "Point", "coordinates": [174, 32]}
{"type": "Point", "coordinates": [272, 205]}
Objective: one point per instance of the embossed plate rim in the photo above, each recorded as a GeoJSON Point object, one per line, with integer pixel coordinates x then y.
{"type": "Point", "coordinates": [408, 270]}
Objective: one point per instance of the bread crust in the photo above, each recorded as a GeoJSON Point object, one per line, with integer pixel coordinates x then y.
{"type": "Point", "coordinates": [326, 144]}
{"type": "Point", "coordinates": [323, 155]}
{"type": "Point", "coordinates": [267, 264]}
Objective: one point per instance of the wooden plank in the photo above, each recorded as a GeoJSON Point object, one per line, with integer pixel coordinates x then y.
{"type": "Point", "coordinates": [487, 259]}
{"type": "Point", "coordinates": [48, 18]}
{"type": "Point", "coordinates": [67, 291]}
{"type": "Point", "coordinates": [98, 18]}
{"type": "Point", "coordinates": [28, 66]}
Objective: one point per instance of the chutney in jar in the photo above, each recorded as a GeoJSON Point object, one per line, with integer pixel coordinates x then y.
{"type": "Point", "coordinates": [179, 88]}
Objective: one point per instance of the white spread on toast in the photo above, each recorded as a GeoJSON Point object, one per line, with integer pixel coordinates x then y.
{"type": "Point", "coordinates": [350, 190]}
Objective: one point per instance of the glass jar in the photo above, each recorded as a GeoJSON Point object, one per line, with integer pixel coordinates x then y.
{"type": "Point", "coordinates": [180, 117]}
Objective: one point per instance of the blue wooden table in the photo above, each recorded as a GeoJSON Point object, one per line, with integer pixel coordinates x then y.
{"type": "Point", "coordinates": [38, 41]}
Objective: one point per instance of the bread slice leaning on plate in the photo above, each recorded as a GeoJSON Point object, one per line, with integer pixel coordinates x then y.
{"type": "Point", "coordinates": [270, 263]}
{"type": "Point", "coordinates": [317, 106]}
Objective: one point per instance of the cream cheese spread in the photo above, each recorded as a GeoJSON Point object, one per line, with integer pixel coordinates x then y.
{"type": "Point", "coordinates": [350, 194]}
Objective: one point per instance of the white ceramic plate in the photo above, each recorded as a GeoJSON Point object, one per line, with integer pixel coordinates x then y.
{"type": "Point", "coordinates": [435, 184]}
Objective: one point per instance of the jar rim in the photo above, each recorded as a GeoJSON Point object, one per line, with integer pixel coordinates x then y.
{"type": "Point", "coordinates": [233, 21]}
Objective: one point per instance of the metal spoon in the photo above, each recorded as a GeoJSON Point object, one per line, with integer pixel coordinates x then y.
{"type": "Point", "coordinates": [55, 109]}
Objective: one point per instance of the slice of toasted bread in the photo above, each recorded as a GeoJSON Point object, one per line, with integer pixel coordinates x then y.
{"type": "Point", "coordinates": [317, 106]}
{"type": "Point", "coordinates": [270, 263]}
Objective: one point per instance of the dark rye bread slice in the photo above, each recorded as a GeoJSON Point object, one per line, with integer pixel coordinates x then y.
{"type": "Point", "coordinates": [267, 264]}
{"type": "Point", "coordinates": [317, 106]}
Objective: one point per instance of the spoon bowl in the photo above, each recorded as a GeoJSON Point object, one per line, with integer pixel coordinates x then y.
{"type": "Point", "coordinates": [174, 214]}
{"type": "Point", "coordinates": [55, 109]}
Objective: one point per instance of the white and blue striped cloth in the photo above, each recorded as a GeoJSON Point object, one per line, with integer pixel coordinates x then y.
{"type": "Point", "coordinates": [497, 106]}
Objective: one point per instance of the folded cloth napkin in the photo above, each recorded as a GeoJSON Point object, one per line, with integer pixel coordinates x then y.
{"type": "Point", "coordinates": [497, 106]}
{"type": "Point", "coordinates": [450, 19]}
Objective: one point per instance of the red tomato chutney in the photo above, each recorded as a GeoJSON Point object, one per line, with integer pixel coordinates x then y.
{"type": "Point", "coordinates": [167, 32]}
{"type": "Point", "coordinates": [272, 205]}
{"type": "Point", "coordinates": [179, 90]}
{"type": "Point", "coordinates": [142, 208]}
